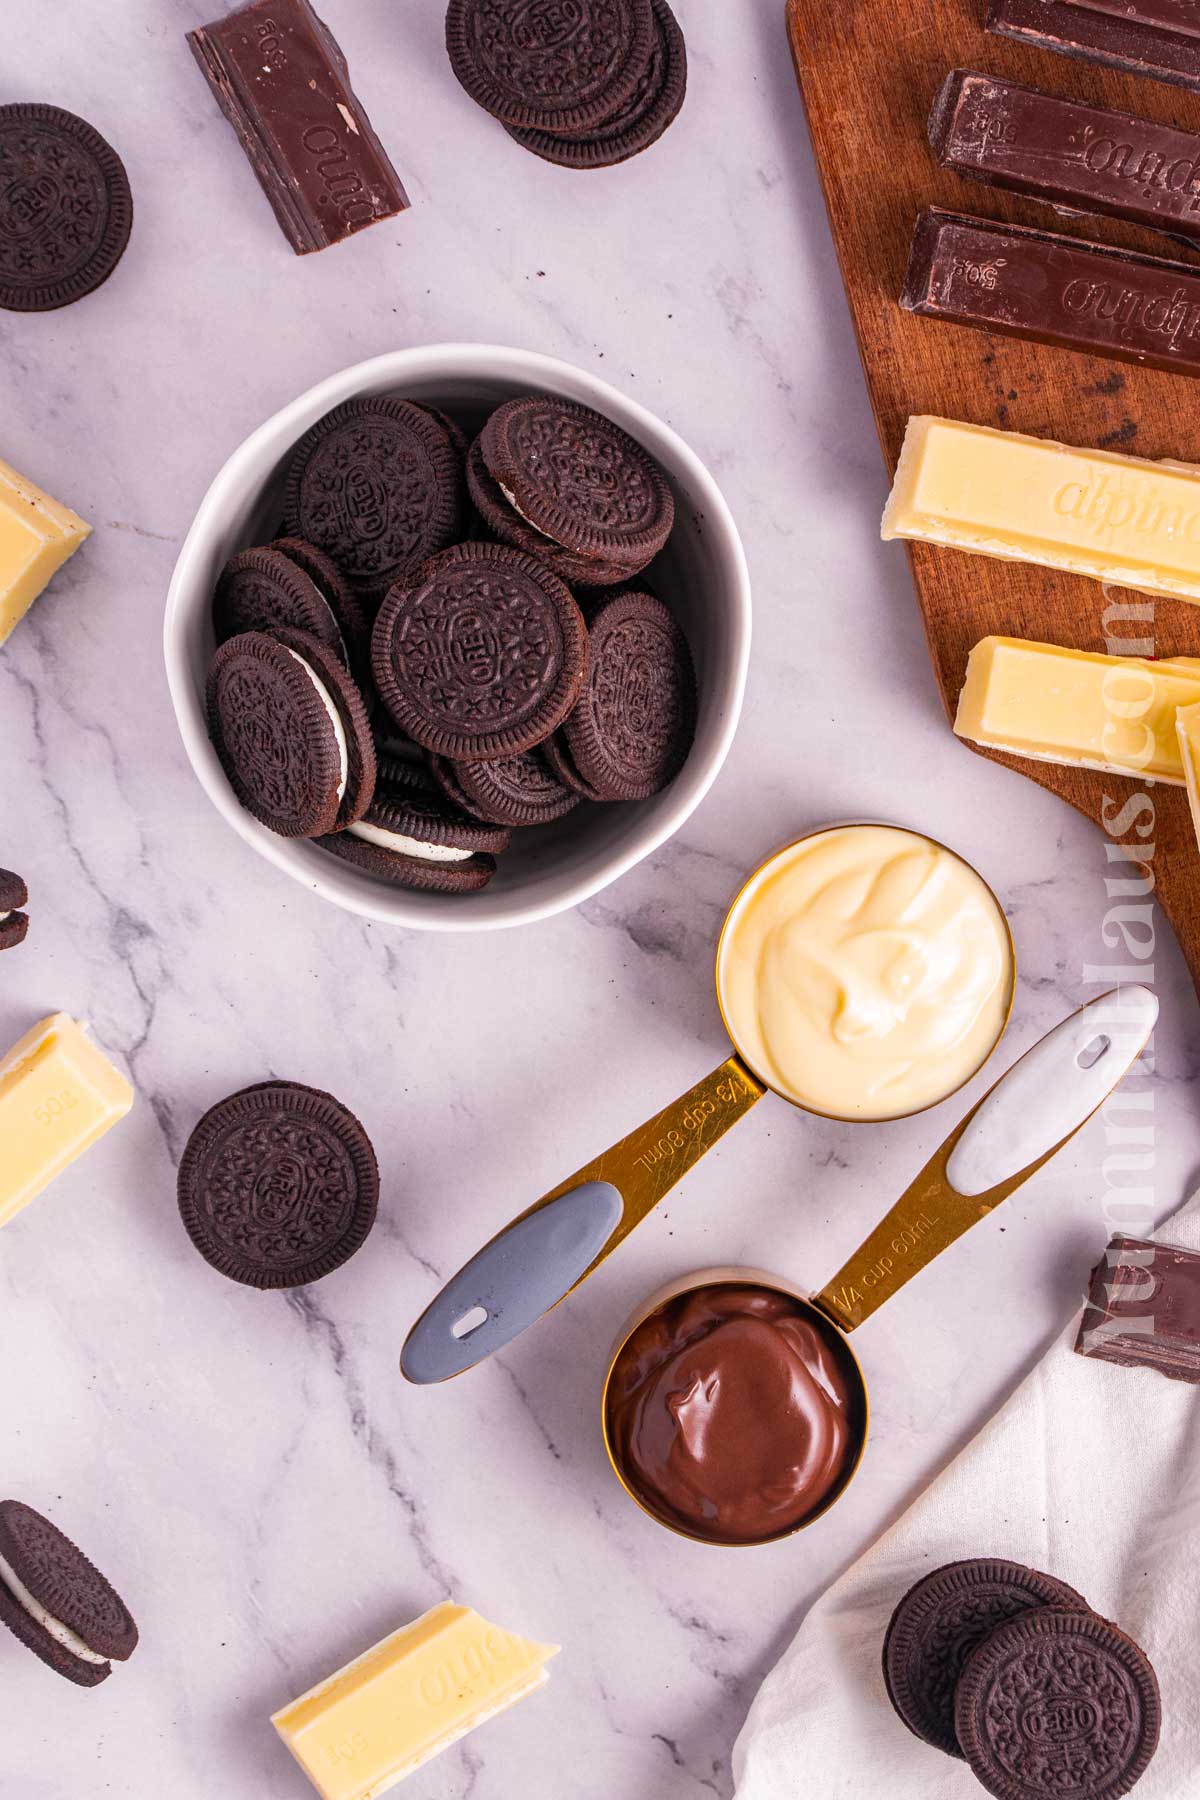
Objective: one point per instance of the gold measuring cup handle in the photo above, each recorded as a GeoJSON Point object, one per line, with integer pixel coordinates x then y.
{"type": "Point", "coordinates": [652, 1160]}
{"type": "Point", "coordinates": [556, 1243]}
{"type": "Point", "coordinates": [1027, 1117]}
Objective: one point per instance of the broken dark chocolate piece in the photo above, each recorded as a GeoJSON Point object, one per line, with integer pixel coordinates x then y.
{"type": "Point", "coordinates": [1054, 290]}
{"type": "Point", "coordinates": [1066, 152]}
{"type": "Point", "coordinates": [1143, 1309]}
{"type": "Point", "coordinates": [282, 82]}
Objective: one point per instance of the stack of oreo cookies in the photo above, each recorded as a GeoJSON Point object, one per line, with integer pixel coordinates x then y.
{"type": "Point", "coordinates": [451, 640]}
{"type": "Point", "coordinates": [583, 85]}
{"type": "Point", "coordinates": [1011, 1670]}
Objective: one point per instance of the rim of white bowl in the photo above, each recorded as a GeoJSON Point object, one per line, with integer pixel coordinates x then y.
{"type": "Point", "coordinates": [505, 362]}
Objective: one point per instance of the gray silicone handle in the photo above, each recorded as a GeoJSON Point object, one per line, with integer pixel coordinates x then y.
{"type": "Point", "coordinates": [516, 1278]}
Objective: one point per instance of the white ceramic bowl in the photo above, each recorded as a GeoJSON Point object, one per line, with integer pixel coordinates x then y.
{"type": "Point", "coordinates": [702, 573]}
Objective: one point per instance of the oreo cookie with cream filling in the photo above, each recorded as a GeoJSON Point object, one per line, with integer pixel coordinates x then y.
{"type": "Point", "coordinates": [500, 517]}
{"type": "Point", "coordinates": [453, 430]}
{"type": "Point", "coordinates": [409, 803]}
{"type": "Point", "coordinates": [278, 1185]}
{"type": "Point", "coordinates": [14, 923]}
{"type": "Point", "coordinates": [453, 872]}
{"type": "Point", "coordinates": [376, 484]}
{"type": "Point", "coordinates": [579, 479]}
{"type": "Point", "coordinates": [66, 210]}
{"type": "Point", "coordinates": [516, 790]}
{"type": "Point", "coordinates": [652, 107]}
{"type": "Point", "coordinates": [939, 1624]}
{"type": "Point", "coordinates": [559, 757]}
{"type": "Point", "coordinates": [480, 653]}
{"type": "Point", "coordinates": [334, 589]}
{"type": "Point", "coordinates": [1058, 1704]}
{"type": "Point", "coordinates": [445, 774]}
{"type": "Point", "coordinates": [362, 762]}
{"type": "Point", "coordinates": [57, 1602]}
{"type": "Point", "coordinates": [291, 733]}
{"type": "Point", "coordinates": [263, 589]}
{"type": "Point", "coordinates": [631, 731]}
{"type": "Point", "coordinates": [554, 67]}
{"type": "Point", "coordinates": [414, 836]}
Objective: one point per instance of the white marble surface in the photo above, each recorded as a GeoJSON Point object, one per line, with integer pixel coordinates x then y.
{"type": "Point", "coordinates": [251, 1468]}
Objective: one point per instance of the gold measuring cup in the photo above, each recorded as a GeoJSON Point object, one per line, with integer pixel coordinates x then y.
{"type": "Point", "coordinates": [554, 1245]}
{"type": "Point", "coordinates": [849, 1369]}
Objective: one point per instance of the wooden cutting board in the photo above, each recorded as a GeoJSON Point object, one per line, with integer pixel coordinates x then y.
{"type": "Point", "coordinates": [868, 71]}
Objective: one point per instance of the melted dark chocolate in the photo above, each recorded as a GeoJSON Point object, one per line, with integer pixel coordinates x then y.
{"type": "Point", "coordinates": [733, 1413]}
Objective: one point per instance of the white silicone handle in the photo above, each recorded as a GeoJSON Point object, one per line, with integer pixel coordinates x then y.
{"type": "Point", "coordinates": [1052, 1090]}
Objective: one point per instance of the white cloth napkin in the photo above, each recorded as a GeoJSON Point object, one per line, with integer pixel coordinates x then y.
{"type": "Point", "coordinates": [1091, 1472]}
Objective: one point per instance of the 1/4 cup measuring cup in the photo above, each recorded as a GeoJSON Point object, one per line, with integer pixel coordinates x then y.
{"type": "Point", "coordinates": [548, 1250]}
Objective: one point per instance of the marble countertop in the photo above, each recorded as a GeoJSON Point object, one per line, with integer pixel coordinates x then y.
{"type": "Point", "coordinates": [250, 1468]}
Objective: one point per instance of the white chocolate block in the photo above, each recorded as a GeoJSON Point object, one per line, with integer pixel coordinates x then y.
{"type": "Point", "coordinates": [1119, 519]}
{"type": "Point", "coordinates": [37, 535]}
{"type": "Point", "coordinates": [1113, 713]}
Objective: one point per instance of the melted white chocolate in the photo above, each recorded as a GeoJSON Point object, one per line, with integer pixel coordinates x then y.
{"type": "Point", "coordinates": [865, 972]}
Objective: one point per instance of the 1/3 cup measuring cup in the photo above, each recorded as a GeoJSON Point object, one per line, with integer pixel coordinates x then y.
{"type": "Point", "coordinates": [548, 1250]}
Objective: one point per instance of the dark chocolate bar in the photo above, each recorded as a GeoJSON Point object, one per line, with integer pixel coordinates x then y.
{"type": "Point", "coordinates": [1145, 38]}
{"type": "Point", "coordinates": [282, 82]}
{"type": "Point", "coordinates": [1143, 1309]}
{"type": "Point", "coordinates": [1063, 151]}
{"type": "Point", "coordinates": [1055, 290]}
{"type": "Point", "coordinates": [1168, 15]}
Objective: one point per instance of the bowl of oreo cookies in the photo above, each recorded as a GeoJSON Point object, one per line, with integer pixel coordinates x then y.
{"type": "Point", "coordinates": [459, 636]}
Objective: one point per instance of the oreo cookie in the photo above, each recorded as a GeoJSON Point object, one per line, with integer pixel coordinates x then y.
{"type": "Point", "coordinates": [409, 804]}
{"type": "Point", "coordinates": [1058, 1703]}
{"type": "Point", "coordinates": [377, 484]}
{"type": "Point", "coordinates": [57, 1602]}
{"type": "Point", "coordinates": [579, 480]}
{"type": "Point", "coordinates": [66, 211]}
{"type": "Point", "coordinates": [559, 758]}
{"type": "Point", "coordinates": [517, 790]}
{"type": "Point", "coordinates": [445, 774]}
{"type": "Point", "coordinates": [590, 599]}
{"type": "Point", "coordinates": [941, 1622]}
{"type": "Point", "coordinates": [457, 436]}
{"type": "Point", "coordinates": [480, 654]}
{"type": "Point", "coordinates": [291, 732]}
{"type": "Point", "coordinates": [456, 874]}
{"type": "Point", "coordinates": [550, 67]}
{"type": "Point", "coordinates": [499, 518]}
{"type": "Point", "coordinates": [278, 1185]}
{"type": "Point", "coordinates": [630, 733]}
{"type": "Point", "coordinates": [653, 106]}
{"type": "Point", "coordinates": [333, 588]}
{"type": "Point", "coordinates": [361, 757]}
{"type": "Point", "coordinates": [263, 589]}
{"type": "Point", "coordinates": [403, 766]}
{"type": "Point", "coordinates": [14, 923]}
{"type": "Point", "coordinates": [414, 836]}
